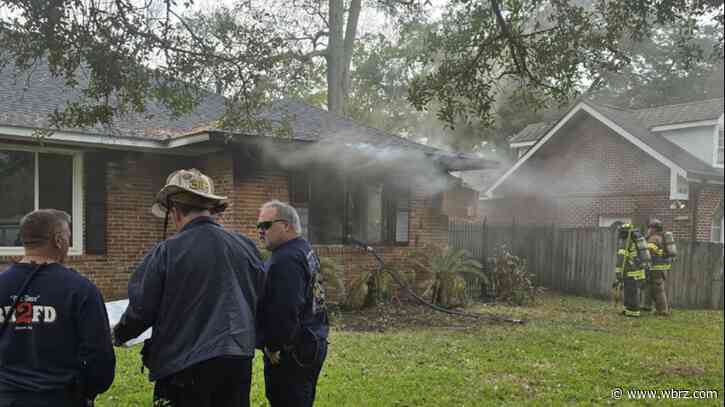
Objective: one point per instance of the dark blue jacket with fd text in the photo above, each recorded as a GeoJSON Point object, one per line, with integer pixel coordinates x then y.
{"type": "Point", "coordinates": [58, 335]}
{"type": "Point", "coordinates": [294, 297]}
{"type": "Point", "coordinates": [198, 290]}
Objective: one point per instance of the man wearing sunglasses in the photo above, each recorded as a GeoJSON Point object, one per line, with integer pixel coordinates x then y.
{"type": "Point", "coordinates": [292, 318]}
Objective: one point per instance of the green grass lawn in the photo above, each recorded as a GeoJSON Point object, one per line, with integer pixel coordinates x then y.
{"type": "Point", "coordinates": [573, 351]}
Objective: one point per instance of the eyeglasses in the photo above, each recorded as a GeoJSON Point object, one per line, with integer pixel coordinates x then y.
{"type": "Point", "coordinates": [268, 224]}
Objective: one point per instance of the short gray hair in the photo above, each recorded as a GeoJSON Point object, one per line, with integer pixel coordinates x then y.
{"type": "Point", "coordinates": [286, 212]}
{"type": "Point", "coordinates": [38, 227]}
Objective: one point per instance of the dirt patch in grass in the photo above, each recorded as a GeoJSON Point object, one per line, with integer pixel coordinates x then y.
{"type": "Point", "coordinates": [400, 316]}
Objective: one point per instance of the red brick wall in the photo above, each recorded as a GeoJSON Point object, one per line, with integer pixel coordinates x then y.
{"type": "Point", "coordinates": [134, 179]}
{"type": "Point", "coordinates": [709, 202]}
{"type": "Point", "coordinates": [461, 203]}
{"type": "Point", "coordinates": [588, 171]}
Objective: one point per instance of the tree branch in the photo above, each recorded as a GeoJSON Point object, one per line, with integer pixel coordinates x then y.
{"type": "Point", "coordinates": [515, 47]}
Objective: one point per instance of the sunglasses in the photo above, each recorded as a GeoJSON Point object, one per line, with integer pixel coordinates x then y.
{"type": "Point", "coordinates": [268, 224]}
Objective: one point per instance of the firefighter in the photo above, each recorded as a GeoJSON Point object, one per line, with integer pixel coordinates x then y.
{"type": "Point", "coordinates": [632, 260]}
{"type": "Point", "coordinates": [662, 250]}
{"type": "Point", "coordinates": [199, 291]}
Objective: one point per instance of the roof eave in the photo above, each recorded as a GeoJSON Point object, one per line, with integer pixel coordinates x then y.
{"type": "Point", "coordinates": [456, 163]}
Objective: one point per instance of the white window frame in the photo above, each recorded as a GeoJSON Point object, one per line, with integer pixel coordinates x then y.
{"type": "Point", "coordinates": [720, 232]}
{"type": "Point", "coordinates": [76, 248]}
{"type": "Point", "coordinates": [674, 193]}
{"type": "Point", "coordinates": [716, 144]}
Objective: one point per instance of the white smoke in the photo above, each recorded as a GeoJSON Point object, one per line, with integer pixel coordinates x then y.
{"type": "Point", "coordinates": [345, 154]}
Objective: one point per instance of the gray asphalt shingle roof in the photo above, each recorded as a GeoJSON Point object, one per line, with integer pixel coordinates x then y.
{"type": "Point", "coordinates": [710, 109]}
{"type": "Point", "coordinates": [532, 132]}
{"type": "Point", "coordinates": [630, 122]}
{"type": "Point", "coordinates": [702, 110]}
{"type": "Point", "coordinates": [27, 102]}
{"type": "Point", "coordinates": [640, 122]}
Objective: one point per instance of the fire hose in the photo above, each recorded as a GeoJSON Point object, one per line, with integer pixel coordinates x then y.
{"type": "Point", "coordinates": [398, 280]}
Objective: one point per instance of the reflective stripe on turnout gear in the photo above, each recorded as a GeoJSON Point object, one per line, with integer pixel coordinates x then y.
{"type": "Point", "coordinates": [655, 249]}
{"type": "Point", "coordinates": [636, 274]}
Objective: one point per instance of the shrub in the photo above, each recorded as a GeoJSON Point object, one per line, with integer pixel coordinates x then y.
{"type": "Point", "coordinates": [358, 293]}
{"type": "Point", "coordinates": [446, 268]}
{"type": "Point", "coordinates": [332, 275]}
{"type": "Point", "coordinates": [510, 281]}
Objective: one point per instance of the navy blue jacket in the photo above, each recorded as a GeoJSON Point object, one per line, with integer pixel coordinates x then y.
{"type": "Point", "coordinates": [198, 290]}
{"type": "Point", "coordinates": [58, 335]}
{"type": "Point", "coordinates": [293, 297]}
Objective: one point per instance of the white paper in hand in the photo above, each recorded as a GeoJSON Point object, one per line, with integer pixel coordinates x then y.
{"type": "Point", "coordinates": [115, 310]}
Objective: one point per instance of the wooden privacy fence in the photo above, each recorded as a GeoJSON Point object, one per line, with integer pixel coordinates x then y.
{"type": "Point", "coordinates": [581, 261]}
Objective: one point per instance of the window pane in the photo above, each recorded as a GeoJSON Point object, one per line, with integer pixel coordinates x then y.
{"type": "Point", "coordinates": [327, 207]}
{"type": "Point", "coordinates": [401, 226]}
{"type": "Point", "coordinates": [366, 207]}
{"type": "Point", "coordinates": [17, 183]}
{"type": "Point", "coordinates": [299, 188]}
{"type": "Point", "coordinates": [402, 214]}
{"type": "Point", "coordinates": [55, 182]}
{"type": "Point", "coordinates": [682, 186]}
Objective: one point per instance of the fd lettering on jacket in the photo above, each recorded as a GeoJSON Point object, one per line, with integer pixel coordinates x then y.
{"type": "Point", "coordinates": [29, 311]}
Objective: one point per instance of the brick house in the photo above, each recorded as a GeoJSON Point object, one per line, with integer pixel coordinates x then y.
{"type": "Point", "coordinates": [601, 164]}
{"type": "Point", "coordinates": [346, 179]}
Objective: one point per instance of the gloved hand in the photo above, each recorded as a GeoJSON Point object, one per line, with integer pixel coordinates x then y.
{"type": "Point", "coordinates": [274, 357]}
{"type": "Point", "coordinates": [114, 336]}
{"type": "Point", "coordinates": [619, 280]}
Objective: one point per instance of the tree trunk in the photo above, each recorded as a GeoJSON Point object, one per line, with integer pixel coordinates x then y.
{"type": "Point", "coordinates": [339, 55]}
{"type": "Point", "coordinates": [350, 36]}
{"type": "Point", "coordinates": [335, 58]}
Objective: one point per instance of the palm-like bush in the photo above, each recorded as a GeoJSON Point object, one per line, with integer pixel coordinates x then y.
{"type": "Point", "coordinates": [357, 294]}
{"type": "Point", "coordinates": [445, 268]}
{"type": "Point", "coordinates": [331, 271]}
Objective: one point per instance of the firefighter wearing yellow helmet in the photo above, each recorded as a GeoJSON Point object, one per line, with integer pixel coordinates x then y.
{"type": "Point", "coordinates": [661, 246]}
{"type": "Point", "coordinates": [633, 258]}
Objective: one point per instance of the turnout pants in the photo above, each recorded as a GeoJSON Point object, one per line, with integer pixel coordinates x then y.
{"type": "Point", "coordinates": [655, 292]}
{"type": "Point", "coordinates": [632, 284]}
{"type": "Point", "coordinates": [219, 382]}
{"type": "Point", "coordinates": [287, 384]}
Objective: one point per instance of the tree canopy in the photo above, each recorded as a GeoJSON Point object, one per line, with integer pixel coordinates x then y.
{"type": "Point", "coordinates": [555, 49]}
{"type": "Point", "coordinates": [461, 68]}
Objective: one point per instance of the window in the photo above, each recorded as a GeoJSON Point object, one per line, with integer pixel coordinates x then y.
{"type": "Point", "coordinates": [299, 191]}
{"type": "Point", "coordinates": [327, 207]}
{"type": "Point", "coordinates": [366, 213]}
{"type": "Point", "coordinates": [717, 226]}
{"type": "Point", "coordinates": [683, 187]}
{"type": "Point", "coordinates": [397, 215]}
{"type": "Point", "coordinates": [333, 207]}
{"type": "Point", "coordinates": [38, 179]}
{"type": "Point", "coordinates": [679, 185]}
{"type": "Point", "coordinates": [720, 146]}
